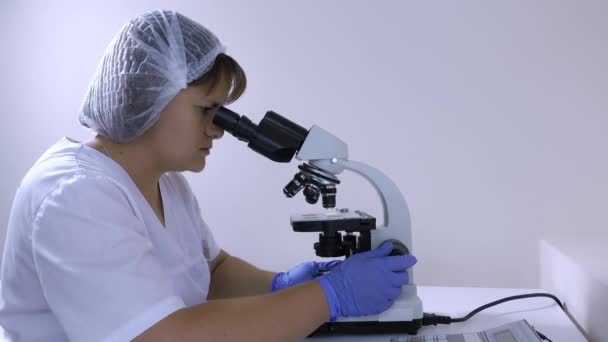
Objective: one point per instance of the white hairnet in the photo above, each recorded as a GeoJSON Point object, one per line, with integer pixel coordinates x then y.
{"type": "Point", "coordinates": [147, 63]}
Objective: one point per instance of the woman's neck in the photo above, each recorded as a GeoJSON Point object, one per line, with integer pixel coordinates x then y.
{"type": "Point", "coordinates": [137, 161]}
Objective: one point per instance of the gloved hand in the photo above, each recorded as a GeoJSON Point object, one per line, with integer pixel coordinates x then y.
{"type": "Point", "coordinates": [366, 283]}
{"type": "Point", "coordinates": [301, 273]}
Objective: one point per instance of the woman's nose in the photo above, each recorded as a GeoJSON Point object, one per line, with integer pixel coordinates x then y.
{"type": "Point", "coordinates": [214, 131]}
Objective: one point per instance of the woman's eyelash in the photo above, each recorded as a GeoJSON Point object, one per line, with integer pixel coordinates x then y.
{"type": "Point", "coordinates": [210, 108]}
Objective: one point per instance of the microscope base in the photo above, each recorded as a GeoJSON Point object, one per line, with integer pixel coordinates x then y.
{"type": "Point", "coordinates": [368, 328]}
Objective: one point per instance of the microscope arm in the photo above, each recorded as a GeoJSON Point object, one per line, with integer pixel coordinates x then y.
{"type": "Point", "coordinates": [396, 225]}
{"type": "Point", "coordinates": [396, 216]}
{"type": "Point", "coordinates": [326, 151]}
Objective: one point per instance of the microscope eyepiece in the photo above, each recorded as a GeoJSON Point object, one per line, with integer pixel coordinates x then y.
{"type": "Point", "coordinates": [240, 126]}
{"type": "Point", "coordinates": [276, 137]}
{"type": "Point", "coordinates": [226, 119]}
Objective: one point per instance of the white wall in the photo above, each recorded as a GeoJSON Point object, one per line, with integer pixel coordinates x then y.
{"type": "Point", "coordinates": [490, 116]}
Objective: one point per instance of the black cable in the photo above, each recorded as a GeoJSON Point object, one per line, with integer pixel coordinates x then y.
{"type": "Point", "coordinates": [433, 319]}
{"type": "Point", "coordinates": [500, 301]}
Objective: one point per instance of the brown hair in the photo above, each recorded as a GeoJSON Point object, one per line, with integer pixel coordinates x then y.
{"type": "Point", "coordinates": [226, 66]}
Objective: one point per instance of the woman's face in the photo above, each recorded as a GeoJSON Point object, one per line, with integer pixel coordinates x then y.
{"type": "Point", "coordinates": [183, 136]}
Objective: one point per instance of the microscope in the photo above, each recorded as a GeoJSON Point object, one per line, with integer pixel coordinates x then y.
{"type": "Point", "coordinates": [342, 232]}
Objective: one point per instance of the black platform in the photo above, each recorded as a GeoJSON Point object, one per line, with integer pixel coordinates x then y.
{"type": "Point", "coordinates": [368, 328]}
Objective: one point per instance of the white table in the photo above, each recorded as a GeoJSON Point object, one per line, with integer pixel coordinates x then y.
{"type": "Point", "coordinates": [543, 313]}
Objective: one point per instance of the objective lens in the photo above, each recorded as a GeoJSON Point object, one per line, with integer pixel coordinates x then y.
{"type": "Point", "coordinates": [311, 193]}
{"type": "Point", "coordinates": [296, 184]}
{"type": "Point", "coordinates": [329, 196]}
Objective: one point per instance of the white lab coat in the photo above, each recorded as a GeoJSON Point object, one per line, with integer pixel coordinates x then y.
{"type": "Point", "coordinates": [86, 258]}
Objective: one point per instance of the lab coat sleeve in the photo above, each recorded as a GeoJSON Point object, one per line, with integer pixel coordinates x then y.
{"type": "Point", "coordinates": [96, 266]}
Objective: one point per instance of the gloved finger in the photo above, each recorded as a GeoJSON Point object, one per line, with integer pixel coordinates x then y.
{"type": "Point", "coordinates": [398, 263]}
{"type": "Point", "coordinates": [326, 266]}
{"type": "Point", "coordinates": [398, 279]}
{"type": "Point", "coordinates": [383, 250]}
{"type": "Point", "coordinates": [307, 266]}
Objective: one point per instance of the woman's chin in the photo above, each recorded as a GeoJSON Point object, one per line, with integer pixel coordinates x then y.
{"type": "Point", "coordinates": [198, 167]}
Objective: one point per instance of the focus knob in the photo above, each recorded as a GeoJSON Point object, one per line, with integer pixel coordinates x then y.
{"type": "Point", "coordinates": [398, 247]}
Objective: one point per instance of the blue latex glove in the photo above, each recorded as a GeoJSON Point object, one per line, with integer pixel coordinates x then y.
{"type": "Point", "coordinates": [301, 273]}
{"type": "Point", "coordinates": [366, 283]}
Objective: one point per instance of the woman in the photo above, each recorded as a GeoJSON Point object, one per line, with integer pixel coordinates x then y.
{"type": "Point", "coordinates": [106, 241]}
